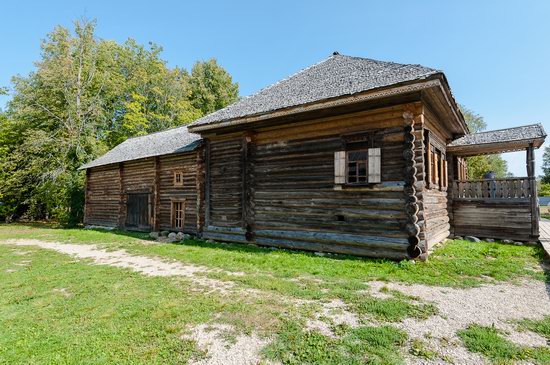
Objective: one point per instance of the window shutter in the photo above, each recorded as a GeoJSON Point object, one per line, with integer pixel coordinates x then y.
{"type": "Point", "coordinates": [340, 167]}
{"type": "Point", "coordinates": [374, 165]}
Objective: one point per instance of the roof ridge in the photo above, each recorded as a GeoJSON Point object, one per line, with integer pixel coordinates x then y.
{"type": "Point", "coordinates": [503, 129]}
{"type": "Point", "coordinates": [162, 131]}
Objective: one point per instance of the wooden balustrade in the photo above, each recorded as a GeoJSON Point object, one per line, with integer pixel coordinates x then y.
{"type": "Point", "coordinates": [517, 188]}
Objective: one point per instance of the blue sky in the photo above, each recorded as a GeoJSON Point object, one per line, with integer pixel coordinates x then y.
{"type": "Point", "coordinates": [496, 54]}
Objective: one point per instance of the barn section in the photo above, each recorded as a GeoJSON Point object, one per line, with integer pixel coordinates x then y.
{"type": "Point", "coordinates": [147, 183]}
{"type": "Point", "coordinates": [334, 158]}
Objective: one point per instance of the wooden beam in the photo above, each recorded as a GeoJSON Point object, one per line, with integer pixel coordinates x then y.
{"type": "Point", "coordinates": [530, 162]}
{"type": "Point", "coordinates": [122, 202]}
{"type": "Point", "coordinates": [247, 205]}
{"type": "Point", "coordinates": [207, 182]}
{"type": "Point", "coordinates": [156, 195]}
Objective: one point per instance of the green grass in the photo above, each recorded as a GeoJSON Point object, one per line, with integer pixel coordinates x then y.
{"type": "Point", "coordinates": [489, 342]}
{"type": "Point", "coordinates": [58, 310]}
{"type": "Point", "coordinates": [363, 345]}
{"type": "Point", "coordinates": [458, 263]}
{"type": "Point", "coordinates": [542, 326]}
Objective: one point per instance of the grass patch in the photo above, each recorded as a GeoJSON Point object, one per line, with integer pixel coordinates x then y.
{"type": "Point", "coordinates": [489, 342]}
{"type": "Point", "coordinates": [392, 309]}
{"type": "Point", "coordinates": [419, 348]}
{"type": "Point", "coordinates": [363, 345]}
{"type": "Point", "coordinates": [542, 326]}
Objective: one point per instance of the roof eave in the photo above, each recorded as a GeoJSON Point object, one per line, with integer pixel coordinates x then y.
{"type": "Point", "coordinates": [494, 147]}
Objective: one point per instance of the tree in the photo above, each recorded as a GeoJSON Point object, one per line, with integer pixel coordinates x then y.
{"type": "Point", "coordinates": [479, 165]}
{"type": "Point", "coordinates": [546, 166]}
{"type": "Point", "coordinates": [211, 87]}
{"type": "Point", "coordinates": [85, 96]}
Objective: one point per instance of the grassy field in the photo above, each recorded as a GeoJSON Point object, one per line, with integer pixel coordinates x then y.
{"type": "Point", "coordinates": [55, 309]}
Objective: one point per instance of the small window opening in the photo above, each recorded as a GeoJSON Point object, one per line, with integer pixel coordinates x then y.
{"type": "Point", "coordinates": [178, 178]}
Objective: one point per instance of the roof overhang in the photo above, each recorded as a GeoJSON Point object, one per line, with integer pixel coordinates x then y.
{"type": "Point", "coordinates": [438, 84]}
{"type": "Point", "coordinates": [504, 140]}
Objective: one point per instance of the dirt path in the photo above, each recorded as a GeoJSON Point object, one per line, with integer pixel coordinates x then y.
{"type": "Point", "coordinates": [142, 264]}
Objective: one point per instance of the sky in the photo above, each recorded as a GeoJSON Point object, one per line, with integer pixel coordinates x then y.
{"type": "Point", "coordinates": [495, 54]}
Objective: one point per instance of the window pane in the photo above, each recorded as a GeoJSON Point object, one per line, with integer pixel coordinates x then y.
{"type": "Point", "coordinates": [357, 156]}
{"type": "Point", "coordinates": [352, 179]}
{"type": "Point", "coordinates": [362, 169]}
{"type": "Point", "coordinates": [362, 179]}
{"type": "Point", "coordinates": [352, 168]}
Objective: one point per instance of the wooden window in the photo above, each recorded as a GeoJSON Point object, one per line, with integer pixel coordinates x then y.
{"type": "Point", "coordinates": [178, 178]}
{"type": "Point", "coordinates": [178, 214]}
{"type": "Point", "coordinates": [357, 167]}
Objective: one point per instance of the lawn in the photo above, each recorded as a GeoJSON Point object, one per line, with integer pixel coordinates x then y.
{"type": "Point", "coordinates": [55, 309]}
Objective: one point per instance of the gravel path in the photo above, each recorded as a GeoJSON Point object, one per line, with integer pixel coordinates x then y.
{"type": "Point", "coordinates": [142, 264]}
{"type": "Point", "coordinates": [488, 305]}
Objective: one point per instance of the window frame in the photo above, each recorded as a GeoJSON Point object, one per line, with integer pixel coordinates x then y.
{"type": "Point", "coordinates": [365, 161]}
{"type": "Point", "coordinates": [176, 174]}
{"type": "Point", "coordinates": [435, 164]}
{"type": "Point", "coordinates": [174, 216]}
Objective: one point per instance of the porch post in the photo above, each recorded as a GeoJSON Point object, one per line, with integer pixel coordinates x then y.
{"type": "Point", "coordinates": [530, 162]}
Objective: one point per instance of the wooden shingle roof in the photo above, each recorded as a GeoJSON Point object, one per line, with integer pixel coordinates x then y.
{"type": "Point", "coordinates": [333, 77]}
{"type": "Point", "coordinates": [175, 140]}
{"type": "Point", "coordinates": [497, 141]}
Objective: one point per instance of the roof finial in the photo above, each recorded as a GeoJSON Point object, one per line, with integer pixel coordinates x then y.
{"type": "Point", "coordinates": [335, 53]}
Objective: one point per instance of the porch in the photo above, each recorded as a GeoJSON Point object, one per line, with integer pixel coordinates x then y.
{"type": "Point", "coordinates": [495, 208]}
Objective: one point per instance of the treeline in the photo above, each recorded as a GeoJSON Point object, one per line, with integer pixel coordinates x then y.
{"type": "Point", "coordinates": [85, 96]}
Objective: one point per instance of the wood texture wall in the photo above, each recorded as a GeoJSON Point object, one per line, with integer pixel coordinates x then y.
{"type": "Point", "coordinates": [498, 220]}
{"type": "Point", "coordinates": [102, 196]}
{"type": "Point", "coordinates": [292, 200]}
{"type": "Point", "coordinates": [107, 189]}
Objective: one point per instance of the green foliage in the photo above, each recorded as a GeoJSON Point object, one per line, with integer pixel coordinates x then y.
{"type": "Point", "coordinates": [544, 189]}
{"type": "Point", "coordinates": [86, 96]}
{"type": "Point", "coordinates": [479, 165]}
{"type": "Point", "coordinates": [546, 165]}
{"type": "Point", "coordinates": [211, 87]}
{"type": "Point", "coordinates": [489, 341]}
{"type": "Point", "coordinates": [362, 345]}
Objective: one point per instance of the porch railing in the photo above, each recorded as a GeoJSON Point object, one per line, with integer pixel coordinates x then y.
{"type": "Point", "coordinates": [498, 189]}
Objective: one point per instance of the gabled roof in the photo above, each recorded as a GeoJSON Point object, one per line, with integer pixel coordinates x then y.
{"type": "Point", "coordinates": [497, 141]}
{"type": "Point", "coordinates": [335, 76]}
{"type": "Point", "coordinates": [175, 140]}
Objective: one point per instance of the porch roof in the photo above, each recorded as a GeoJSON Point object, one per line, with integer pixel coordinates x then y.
{"type": "Point", "coordinates": [498, 141]}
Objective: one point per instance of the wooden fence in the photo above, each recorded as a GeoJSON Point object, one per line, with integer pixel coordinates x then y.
{"type": "Point", "coordinates": [498, 189]}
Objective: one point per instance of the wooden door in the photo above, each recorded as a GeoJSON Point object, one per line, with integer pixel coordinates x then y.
{"type": "Point", "coordinates": [138, 211]}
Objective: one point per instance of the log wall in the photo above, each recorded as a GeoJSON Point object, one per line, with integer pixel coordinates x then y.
{"type": "Point", "coordinates": [107, 190]}
{"type": "Point", "coordinates": [102, 196]}
{"type": "Point", "coordinates": [187, 163]}
{"type": "Point", "coordinates": [275, 186]}
{"type": "Point", "coordinates": [500, 220]}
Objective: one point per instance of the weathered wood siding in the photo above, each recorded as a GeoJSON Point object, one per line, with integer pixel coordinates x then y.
{"type": "Point", "coordinates": [436, 216]}
{"type": "Point", "coordinates": [225, 189]}
{"type": "Point", "coordinates": [500, 220]}
{"type": "Point", "coordinates": [293, 201]}
{"type": "Point", "coordinates": [435, 210]}
{"type": "Point", "coordinates": [102, 196]}
{"type": "Point", "coordinates": [107, 190]}
{"type": "Point", "coordinates": [187, 163]}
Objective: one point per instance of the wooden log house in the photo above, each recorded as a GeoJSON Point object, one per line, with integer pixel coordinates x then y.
{"type": "Point", "coordinates": [350, 155]}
